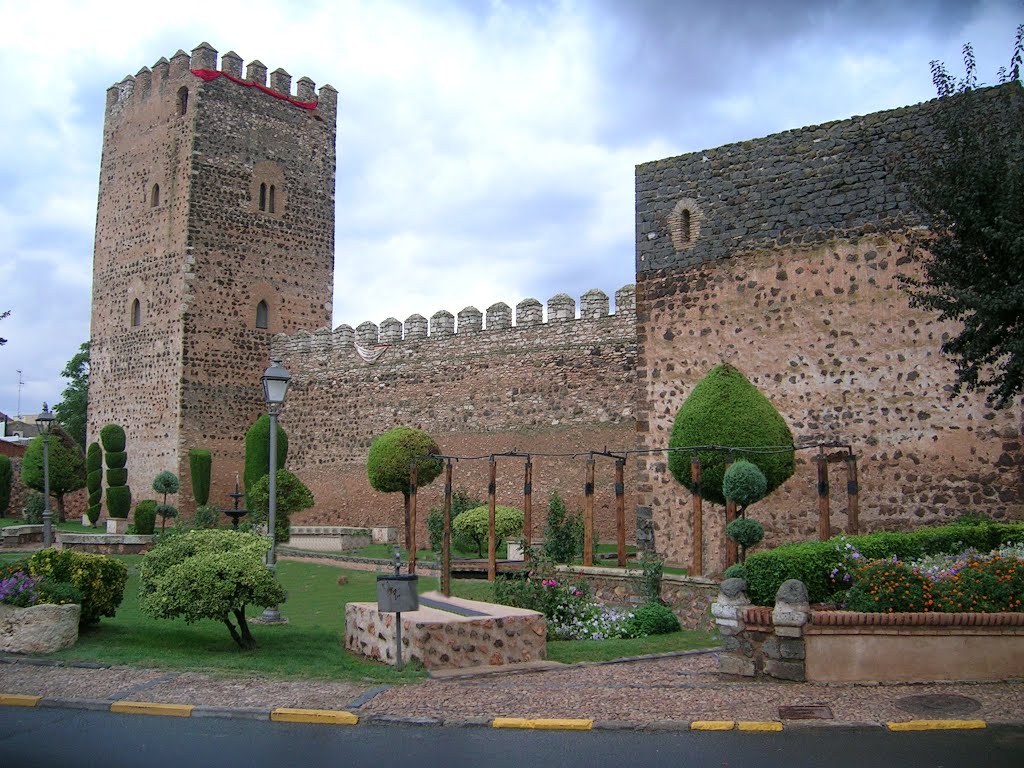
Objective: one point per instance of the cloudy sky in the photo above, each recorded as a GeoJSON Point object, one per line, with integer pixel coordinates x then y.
{"type": "Point", "coordinates": [485, 149]}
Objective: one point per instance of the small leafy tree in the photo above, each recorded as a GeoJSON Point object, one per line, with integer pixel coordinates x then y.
{"type": "Point", "coordinates": [563, 532]}
{"type": "Point", "coordinates": [209, 574]}
{"type": "Point", "coordinates": [390, 460]}
{"type": "Point", "coordinates": [474, 526]}
{"type": "Point", "coordinates": [745, 484]}
{"type": "Point", "coordinates": [292, 496]}
{"type": "Point", "coordinates": [6, 480]}
{"type": "Point", "coordinates": [461, 501]}
{"type": "Point", "coordinates": [970, 192]}
{"type": "Point", "coordinates": [200, 465]}
{"type": "Point", "coordinates": [166, 482]}
{"type": "Point", "coordinates": [745, 532]}
{"type": "Point", "coordinates": [94, 481]}
{"type": "Point", "coordinates": [74, 403]}
{"type": "Point", "coordinates": [119, 493]}
{"type": "Point", "coordinates": [725, 409]}
{"type": "Point", "coordinates": [67, 465]}
{"type": "Point", "coordinates": [257, 453]}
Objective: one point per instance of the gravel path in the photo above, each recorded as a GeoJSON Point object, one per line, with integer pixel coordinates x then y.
{"type": "Point", "coordinates": [668, 689]}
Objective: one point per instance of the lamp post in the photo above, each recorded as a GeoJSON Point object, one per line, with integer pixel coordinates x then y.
{"type": "Point", "coordinates": [43, 422]}
{"type": "Point", "coordinates": [275, 389]}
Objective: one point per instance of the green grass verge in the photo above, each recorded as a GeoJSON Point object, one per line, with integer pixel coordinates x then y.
{"type": "Point", "coordinates": [310, 645]}
{"type": "Point", "coordinates": [71, 526]}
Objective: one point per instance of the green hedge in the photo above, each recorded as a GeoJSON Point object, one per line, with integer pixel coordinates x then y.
{"type": "Point", "coordinates": [812, 561]}
{"type": "Point", "coordinates": [119, 501]}
{"type": "Point", "coordinates": [100, 579]}
{"type": "Point", "coordinates": [145, 517]}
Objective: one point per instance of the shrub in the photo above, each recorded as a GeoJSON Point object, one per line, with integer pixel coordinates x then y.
{"type": "Point", "coordinates": [653, 618]}
{"type": "Point", "coordinates": [737, 571]}
{"type": "Point", "coordinates": [145, 517]}
{"type": "Point", "coordinates": [211, 574]}
{"type": "Point", "coordinates": [744, 483]}
{"type": "Point", "coordinates": [58, 593]}
{"type": "Point", "coordinates": [206, 517]}
{"type": "Point", "coordinates": [435, 529]}
{"type": "Point", "coordinates": [6, 480]}
{"type": "Point", "coordinates": [474, 525]}
{"type": "Point", "coordinates": [100, 579]}
{"type": "Point", "coordinates": [887, 586]}
{"type": "Point", "coordinates": [166, 511]}
{"type": "Point", "coordinates": [116, 459]}
{"type": "Point", "coordinates": [119, 501]}
{"type": "Point", "coordinates": [117, 476]}
{"type": "Point", "coordinates": [985, 584]}
{"type": "Point", "coordinates": [292, 496]}
{"type": "Point", "coordinates": [94, 481]}
{"type": "Point", "coordinates": [727, 410]}
{"type": "Point", "coordinates": [746, 533]}
{"type": "Point", "coordinates": [649, 581]}
{"type": "Point", "coordinates": [35, 505]}
{"type": "Point", "coordinates": [200, 466]}
{"type": "Point", "coordinates": [112, 437]}
{"type": "Point", "coordinates": [563, 532]}
{"type": "Point", "coordinates": [257, 453]}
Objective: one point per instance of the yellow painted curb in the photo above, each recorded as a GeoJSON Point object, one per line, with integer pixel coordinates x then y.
{"type": "Point", "coordinates": [18, 700]}
{"type": "Point", "coordinates": [150, 708]}
{"type": "Point", "coordinates": [937, 725]}
{"type": "Point", "coordinates": [543, 724]}
{"type": "Point", "coordinates": [712, 725]}
{"type": "Point", "coordinates": [759, 725]}
{"type": "Point", "coordinates": [327, 716]}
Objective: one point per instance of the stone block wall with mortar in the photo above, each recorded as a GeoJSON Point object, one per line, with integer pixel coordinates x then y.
{"type": "Point", "coordinates": [565, 385]}
{"type": "Point", "coordinates": [216, 194]}
{"type": "Point", "coordinates": [781, 256]}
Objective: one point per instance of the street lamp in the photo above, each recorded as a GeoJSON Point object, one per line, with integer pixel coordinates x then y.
{"type": "Point", "coordinates": [275, 389]}
{"type": "Point", "coordinates": [43, 422]}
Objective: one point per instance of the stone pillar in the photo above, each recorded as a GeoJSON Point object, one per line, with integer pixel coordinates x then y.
{"type": "Point", "coordinates": [732, 600]}
{"type": "Point", "coordinates": [784, 651]}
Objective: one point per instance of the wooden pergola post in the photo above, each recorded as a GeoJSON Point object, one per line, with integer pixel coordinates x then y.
{"type": "Point", "coordinates": [528, 504]}
{"type": "Point", "coordinates": [412, 518]}
{"type": "Point", "coordinates": [620, 509]}
{"type": "Point", "coordinates": [852, 496]}
{"type": "Point", "coordinates": [492, 544]}
{"type": "Point", "coordinates": [698, 517]}
{"type": "Point", "coordinates": [446, 542]}
{"type": "Point", "coordinates": [588, 514]}
{"type": "Point", "coordinates": [732, 552]}
{"type": "Point", "coordinates": [824, 525]}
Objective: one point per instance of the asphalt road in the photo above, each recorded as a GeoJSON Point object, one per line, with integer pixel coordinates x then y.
{"type": "Point", "coordinates": [73, 738]}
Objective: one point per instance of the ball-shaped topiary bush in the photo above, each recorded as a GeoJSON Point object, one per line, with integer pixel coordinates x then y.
{"type": "Point", "coordinates": [726, 410]}
{"type": "Point", "coordinates": [652, 618]}
{"type": "Point", "coordinates": [390, 459]}
{"type": "Point", "coordinates": [745, 532]}
{"type": "Point", "coordinates": [744, 483]}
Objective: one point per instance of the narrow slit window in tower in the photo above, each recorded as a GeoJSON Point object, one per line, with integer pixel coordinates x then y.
{"type": "Point", "coordinates": [182, 101]}
{"type": "Point", "coordinates": [263, 197]}
{"type": "Point", "coordinates": [261, 315]}
{"type": "Point", "coordinates": [271, 206]}
{"type": "Point", "coordinates": [136, 314]}
{"type": "Point", "coordinates": [154, 196]}
{"type": "Point", "coordinates": [684, 222]}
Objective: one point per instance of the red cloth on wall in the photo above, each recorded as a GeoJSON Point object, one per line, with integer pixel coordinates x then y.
{"type": "Point", "coordinates": [213, 74]}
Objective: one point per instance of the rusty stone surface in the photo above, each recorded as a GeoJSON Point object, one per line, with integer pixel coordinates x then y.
{"type": "Point", "coordinates": [39, 628]}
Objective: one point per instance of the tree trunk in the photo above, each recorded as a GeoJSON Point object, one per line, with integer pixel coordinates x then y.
{"type": "Point", "coordinates": [244, 640]}
{"type": "Point", "coordinates": [408, 519]}
{"type": "Point", "coordinates": [60, 507]}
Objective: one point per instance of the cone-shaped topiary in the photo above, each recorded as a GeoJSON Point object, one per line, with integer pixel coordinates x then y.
{"type": "Point", "coordinates": [725, 409]}
{"type": "Point", "coordinates": [6, 481]}
{"type": "Point", "coordinates": [94, 481]}
{"type": "Point", "coordinates": [200, 464]}
{"type": "Point", "coordinates": [119, 494]}
{"type": "Point", "coordinates": [257, 453]}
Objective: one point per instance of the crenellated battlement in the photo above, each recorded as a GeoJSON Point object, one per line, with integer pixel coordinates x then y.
{"type": "Point", "coordinates": [529, 313]}
{"type": "Point", "coordinates": [202, 63]}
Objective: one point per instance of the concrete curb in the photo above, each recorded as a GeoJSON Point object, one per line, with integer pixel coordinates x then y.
{"type": "Point", "coordinates": [345, 717]}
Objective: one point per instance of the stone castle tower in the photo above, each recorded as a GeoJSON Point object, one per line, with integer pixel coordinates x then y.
{"type": "Point", "coordinates": [214, 231]}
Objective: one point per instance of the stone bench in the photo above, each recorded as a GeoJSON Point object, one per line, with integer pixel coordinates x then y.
{"type": "Point", "coordinates": [481, 634]}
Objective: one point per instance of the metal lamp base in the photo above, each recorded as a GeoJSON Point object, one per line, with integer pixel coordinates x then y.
{"type": "Point", "coordinates": [270, 616]}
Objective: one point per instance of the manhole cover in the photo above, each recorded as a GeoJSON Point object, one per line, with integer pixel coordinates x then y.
{"type": "Point", "coordinates": [806, 712]}
{"type": "Point", "coordinates": [938, 704]}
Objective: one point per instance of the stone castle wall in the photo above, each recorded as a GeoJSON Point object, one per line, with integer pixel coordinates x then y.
{"type": "Point", "coordinates": [781, 256]}
{"type": "Point", "coordinates": [216, 194]}
{"type": "Point", "coordinates": [565, 385]}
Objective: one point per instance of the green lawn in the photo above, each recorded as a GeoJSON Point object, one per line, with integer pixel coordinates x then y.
{"type": "Point", "coordinates": [310, 645]}
{"type": "Point", "coordinates": [71, 526]}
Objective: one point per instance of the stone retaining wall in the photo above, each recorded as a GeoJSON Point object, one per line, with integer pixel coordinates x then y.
{"type": "Point", "coordinates": [792, 642]}
{"type": "Point", "coordinates": [104, 543]}
{"type": "Point", "coordinates": [329, 538]}
{"type": "Point", "coordinates": [19, 536]}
